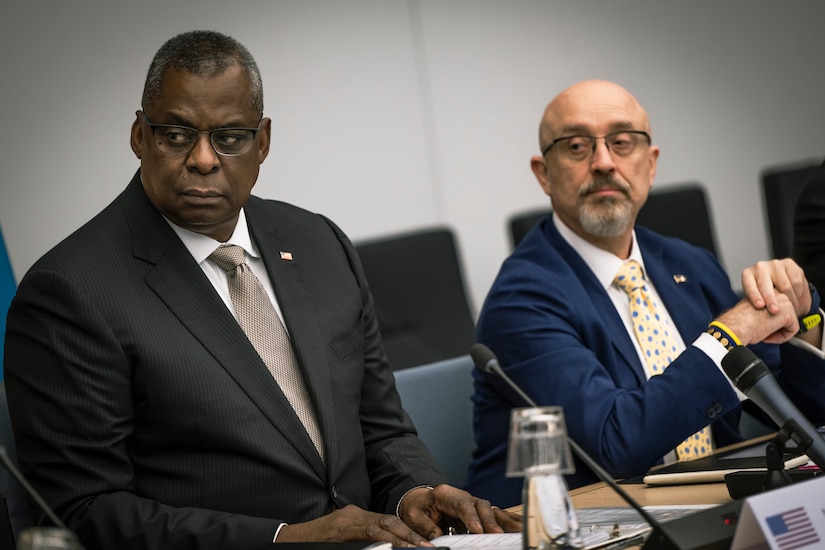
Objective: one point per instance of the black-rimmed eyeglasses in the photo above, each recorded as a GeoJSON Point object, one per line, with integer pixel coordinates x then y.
{"type": "Point", "coordinates": [180, 140]}
{"type": "Point", "coordinates": [580, 147]}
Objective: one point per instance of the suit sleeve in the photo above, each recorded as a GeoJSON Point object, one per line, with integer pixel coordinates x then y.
{"type": "Point", "coordinates": [397, 459]}
{"type": "Point", "coordinates": [552, 339]}
{"type": "Point", "coordinates": [67, 375]}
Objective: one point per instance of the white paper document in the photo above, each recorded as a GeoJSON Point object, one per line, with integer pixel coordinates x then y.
{"type": "Point", "coordinates": [512, 541]}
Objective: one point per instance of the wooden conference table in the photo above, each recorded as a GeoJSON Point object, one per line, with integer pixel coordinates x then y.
{"type": "Point", "coordinates": [602, 495]}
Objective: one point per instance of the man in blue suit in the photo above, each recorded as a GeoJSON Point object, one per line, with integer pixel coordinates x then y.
{"type": "Point", "coordinates": [562, 329]}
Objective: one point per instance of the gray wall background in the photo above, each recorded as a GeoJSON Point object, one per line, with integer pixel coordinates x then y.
{"type": "Point", "coordinates": [390, 115]}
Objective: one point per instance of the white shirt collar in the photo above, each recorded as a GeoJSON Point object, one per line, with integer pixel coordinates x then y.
{"type": "Point", "coordinates": [201, 246]}
{"type": "Point", "coordinates": [603, 264]}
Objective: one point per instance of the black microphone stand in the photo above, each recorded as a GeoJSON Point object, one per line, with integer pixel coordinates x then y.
{"type": "Point", "coordinates": [776, 450]}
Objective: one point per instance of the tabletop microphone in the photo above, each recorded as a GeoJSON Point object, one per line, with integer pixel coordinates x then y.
{"type": "Point", "coordinates": [486, 360]}
{"type": "Point", "coordinates": [60, 533]}
{"type": "Point", "coordinates": [9, 464]}
{"type": "Point", "coordinates": [753, 378]}
{"type": "Point", "coordinates": [709, 529]}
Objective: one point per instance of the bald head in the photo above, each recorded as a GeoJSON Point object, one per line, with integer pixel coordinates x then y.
{"type": "Point", "coordinates": [596, 191]}
{"type": "Point", "coordinates": [575, 107]}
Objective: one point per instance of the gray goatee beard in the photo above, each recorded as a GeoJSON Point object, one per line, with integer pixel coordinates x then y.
{"type": "Point", "coordinates": [609, 216]}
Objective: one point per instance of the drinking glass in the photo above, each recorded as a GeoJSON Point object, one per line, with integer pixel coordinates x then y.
{"type": "Point", "coordinates": [48, 538]}
{"type": "Point", "coordinates": [539, 451]}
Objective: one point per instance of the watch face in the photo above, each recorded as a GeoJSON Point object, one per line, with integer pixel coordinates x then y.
{"type": "Point", "coordinates": [814, 299]}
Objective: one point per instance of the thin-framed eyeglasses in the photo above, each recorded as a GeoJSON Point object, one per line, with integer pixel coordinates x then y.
{"type": "Point", "coordinates": [582, 147]}
{"type": "Point", "coordinates": [172, 139]}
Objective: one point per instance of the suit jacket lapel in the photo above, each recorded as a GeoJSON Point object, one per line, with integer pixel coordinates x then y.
{"type": "Point", "coordinates": [183, 287]}
{"type": "Point", "coordinates": [677, 283]}
{"type": "Point", "coordinates": [601, 301]}
{"type": "Point", "coordinates": [295, 302]}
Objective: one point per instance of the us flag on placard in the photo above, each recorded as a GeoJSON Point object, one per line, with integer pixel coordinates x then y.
{"type": "Point", "coordinates": [792, 529]}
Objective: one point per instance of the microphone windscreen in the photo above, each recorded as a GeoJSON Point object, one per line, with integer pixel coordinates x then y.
{"type": "Point", "coordinates": [482, 356]}
{"type": "Point", "coordinates": [744, 368]}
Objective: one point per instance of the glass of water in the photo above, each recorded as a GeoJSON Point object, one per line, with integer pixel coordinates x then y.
{"type": "Point", "coordinates": [539, 451]}
{"type": "Point", "coordinates": [48, 538]}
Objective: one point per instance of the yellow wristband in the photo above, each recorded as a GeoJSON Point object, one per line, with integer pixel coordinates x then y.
{"type": "Point", "coordinates": [725, 335]}
{"type": "Point", "coordinates": [725, 329]}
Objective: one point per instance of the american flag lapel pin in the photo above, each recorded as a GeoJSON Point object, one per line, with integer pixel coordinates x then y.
{"type": "Point", "coordinates": [286, 256]}
{"type": "Point", "coordinates": [676, 278]}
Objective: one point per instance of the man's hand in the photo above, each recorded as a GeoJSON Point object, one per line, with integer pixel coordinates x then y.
{"type": "Point", "coordinates": [353, 523]}
{"type": "Point", "coordinates": [428, 512]}
{"type": "Point", "coordinates": [763, 281]}
{"type": "Point", "coordinates": [752, 325]}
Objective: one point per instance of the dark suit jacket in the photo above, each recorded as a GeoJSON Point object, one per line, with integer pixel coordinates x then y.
{"type": "Point", "coordinates": [809, 229]}
{"type": "Point", "coordinates": [558, 335]}
{"type": "Point", "coordinates": [146, 418]}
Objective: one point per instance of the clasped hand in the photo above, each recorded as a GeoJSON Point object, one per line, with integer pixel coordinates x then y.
{"type": "Point", "coordinates": [776, 295]}
{"type": "Point", "coordinates": [765, 280]}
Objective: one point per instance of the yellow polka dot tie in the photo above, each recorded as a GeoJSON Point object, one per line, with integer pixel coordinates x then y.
{"type": "Point", "coordinates": [657, 343]}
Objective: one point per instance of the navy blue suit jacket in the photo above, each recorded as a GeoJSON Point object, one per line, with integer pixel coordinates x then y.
{"type": "Point", "coordinates": [557, 334]}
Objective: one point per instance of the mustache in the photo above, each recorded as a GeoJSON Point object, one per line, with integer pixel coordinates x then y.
{"type": "Point", "coordinates": [605, 182]}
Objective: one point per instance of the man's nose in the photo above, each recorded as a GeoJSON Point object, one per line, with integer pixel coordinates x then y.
{"type": "Point", "coordinates": [602, 159]}
{"type": "Point", "coordinates": [203, 156]}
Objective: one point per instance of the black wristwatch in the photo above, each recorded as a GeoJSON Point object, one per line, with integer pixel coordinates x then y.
{"type": "Point", "coordinates": [813, 318]}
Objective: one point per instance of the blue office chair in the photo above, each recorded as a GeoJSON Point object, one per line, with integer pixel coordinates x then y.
{"type": "Point", "coordinates": [14, 511]}
{"type": "Point", "coordinates": [437, 398]}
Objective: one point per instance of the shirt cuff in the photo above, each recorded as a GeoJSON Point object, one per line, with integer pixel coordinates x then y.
{"type": "Point", "coordinates": [400, 500]}
{"type": "Point", "coordinates": [714, 349]}
{"type": "Point", "coordinates": [278, 530]}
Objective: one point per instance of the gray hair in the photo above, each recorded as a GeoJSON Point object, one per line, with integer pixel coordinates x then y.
{"type": "Point", "coordinates": [204, 53]}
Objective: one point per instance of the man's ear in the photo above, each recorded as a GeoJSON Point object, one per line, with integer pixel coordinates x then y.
{"type": "Point", "coordinates": [654, 157]}
{"type": "Point", "coordinates": [136, 135]}
{"type": "Point", "coordinates": [539, 167]}
{"type": "Point", "coordinates": [265, 136]}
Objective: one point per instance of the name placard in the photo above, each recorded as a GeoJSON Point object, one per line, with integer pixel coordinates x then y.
{"type": "Point", "coordinates": [789, 518]}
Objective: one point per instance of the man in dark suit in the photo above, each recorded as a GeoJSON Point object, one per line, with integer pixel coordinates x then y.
{"type": "Point", "coordinates": [143, 413]}
{"type": "Point", "coordinates": [809, 228]}
{"type": "Point", "coordinates": [562, 329]}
